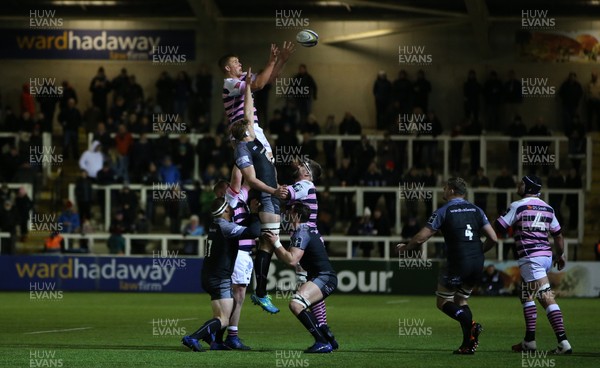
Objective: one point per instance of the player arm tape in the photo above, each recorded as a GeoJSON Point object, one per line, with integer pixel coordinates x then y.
{"type": "Point", "coordinates": [278, 244]}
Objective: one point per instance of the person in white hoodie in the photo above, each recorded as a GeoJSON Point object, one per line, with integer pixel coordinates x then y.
{"type": "Point", "coordinates": [91, 160]}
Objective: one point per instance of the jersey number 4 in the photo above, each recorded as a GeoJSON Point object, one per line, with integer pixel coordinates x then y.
{"type": "Point", "coordinates": [468, 232]}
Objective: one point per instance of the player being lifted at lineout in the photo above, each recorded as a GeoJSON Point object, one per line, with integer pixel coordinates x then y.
{"type": "Point", "coordinates": [259, 174]}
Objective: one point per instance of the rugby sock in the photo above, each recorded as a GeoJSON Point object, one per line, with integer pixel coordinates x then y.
{"type": "Point", "coordinates": [530, 313]}
{"type": "Point", "coordinates": [261, 269]}
{"type": "Point", "coordinates": [320, 312]}
{"type": "Point", "coordinates": [232, 331]}
{"type": "Point", "coordinates": [208, 330]}
{"type": "Point", "coordinates": [468, 315]}
{"type": "Point", "coordinates": [556, 320]}
{"type": "Point", "coordinates": [219, 336]}
{"type": "Point", "coordinates": [455, 312]}
{"type": "Point", "coordinates": [310, 323]}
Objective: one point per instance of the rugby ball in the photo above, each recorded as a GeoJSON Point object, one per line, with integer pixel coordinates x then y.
{"type": "Point", "coordinates": [307, 38]}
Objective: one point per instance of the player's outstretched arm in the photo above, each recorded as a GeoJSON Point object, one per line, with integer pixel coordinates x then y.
{"type": "Point", "coordinates": [263, 78]}
{"type": "Point", "coordinates": [421, 237]}
{"type": "Point", "coordinates": [491, 240]}
{"type": "Point", "coordinates": [253, 182]}
{"type": "Point", "coordinates": [287, 50]}
{"type": "Point", "coordinates": [248, 100]}
{"type": "Point", "coordinates": [291, 257]}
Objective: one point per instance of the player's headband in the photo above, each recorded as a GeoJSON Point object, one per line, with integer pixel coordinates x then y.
{"type": "Point", "coordinates": [306, 164]}
{"type": "Point", "coordinates": [221, 209]}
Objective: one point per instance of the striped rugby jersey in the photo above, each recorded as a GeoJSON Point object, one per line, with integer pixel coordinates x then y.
{"type": "Point", "coordinates": [304, 191]}
{"type": "Point", "coordinates": [241, 213]}
{"type": "Point", "coordinates": [233, 98]}
{"type": "Point", "coordinates": [532, 219]}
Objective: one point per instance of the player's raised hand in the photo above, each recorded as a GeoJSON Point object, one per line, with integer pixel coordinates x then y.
{"type": "Point", "coordinates": [287, 50]}
{"type": "Point", "coordinates": [270, 237]}
{"type": "Point", "coordinates": [274, 53]}
{"type": "Point", "coordinates": [560, 262]}
{"type": "Point", "coordinates": [248, 79]}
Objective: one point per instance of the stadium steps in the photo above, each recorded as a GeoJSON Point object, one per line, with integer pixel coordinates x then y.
{"type": "Point", "coordinates": [592, 205]}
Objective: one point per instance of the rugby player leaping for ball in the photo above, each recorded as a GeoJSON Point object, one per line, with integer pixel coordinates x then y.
{"type": "Point", "coordinates": [259, 174]}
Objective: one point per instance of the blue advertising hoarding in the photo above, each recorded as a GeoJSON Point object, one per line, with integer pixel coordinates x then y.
{"type": "Point", "coordinates": [137, 45]}
{"type": "Point", "coordinates": [101, 273]}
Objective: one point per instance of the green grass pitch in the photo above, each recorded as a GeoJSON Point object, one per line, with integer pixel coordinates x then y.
{"type": "Point", "coordinates": [116, 330]}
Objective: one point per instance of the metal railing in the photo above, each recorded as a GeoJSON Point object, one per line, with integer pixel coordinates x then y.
{"type": "Point", "coordinates": [445, 140]}
{"type": "Point", "coordinates": [433, 194]}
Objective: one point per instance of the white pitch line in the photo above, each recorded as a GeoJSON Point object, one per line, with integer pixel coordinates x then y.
{"type": "Point", "coordinates": [63, 330]}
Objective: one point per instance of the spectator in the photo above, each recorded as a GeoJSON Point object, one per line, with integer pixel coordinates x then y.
{"type": "Point", "coordinates": [516, 129]}
{"type": "Point", "coordinates": [349, 126]}
{"type": "Point", "coordinates": [261, 101]}
{"type": "Point", "coordinates": [539, 147]}
{"type": "Point", "coordinates": [570, 94]}
{"type": "Point", "coordinates": [6, 194]}
{"type": "Point", "coordinates": [127, 202]}
{"type": "Point", "coordinates": [290, 114]}
{"type": "Point", "coordinates": [382, 90]}
{"type": "Point", "coordinates": [371, 178]}
{"type": "Point", "coordinates": [382, 227]}
{"type": "Point", "coordinates": [491, 282]}
{"type": "Point", "coordinates": [573, 181]}
{"type": "Point", "coordinates": [412, 181]}
{"type": "Point", "coordinates": [140, 156]}
{"type": "Point", "coordinates": [184, 158]}
{"type": "Point", "coordinates": [165, 92]}
{"type": "Point", "coordinates": [69, 219]}
{"type": "Point", "coordinates": [117, 114]}
{"type": "Point", "coordinates": [428, 149]}
{"type": "Point", "coordinates": [70, 119]}
{"type": "Point", "coordinates": [503, 181]}
{"type": "Point", "coordinates": [421, 91]}
{"type": "Point", "coordinates": [100, 87]}
{"type": "Point", "coordinates": [472, 92]}
{"type": "Point", "coordinates": [287, 139]}
{"type": "Point", "coordinates": [168, 172]}
{"type": "Point", "coordinates": [493, 94]}
{"type": "Point", "coordinates": [593, 102]}
{"type": "Point", "coordinates": [513, 93]}
{"type": "Point", "coordinates": [348, 178]}
{"type": "Point", "coordinates": [556, 181]}
{"type": "Point", "coordinates": [11, 122]}
{"type": "Point", "coordinates": [47, 103]}
{"type": "Point", "coordinates": [387, 150]}
{"type": "Point", "coordinates": [24, 206]}
{"type": "Point", "coordinates": [410, 229]}
{"type": "Point", "coordinates": [202, 88]}
{"type": "Point", "coordinates": [456, 148]}
{"type": "Point", "coordinates": [304, 102]}
{"type": "Point", "coordinates": [106, 176]}
{"type": "Point", "coordinates": [362, 225]}
{"type": "Point", "coordinates": [135, 94]}
{"type": "Point", "coordinates": [311, 126]}
{"type": "Point", "coordinates": [327, 213]}
{"type": "Point", "coordinates": [182, 93]}
{"type": "Point", "coordinates": [8, 224]}
{"type": "Point", "coordinates": [193, 228]}
{"type": "Point", "coordinates": [402, 92]}
{"type": "Point", "coordinates": [27, 100]}
{"type": "Point", "coordinates": [84, 196]}
{"type": "Point", "coordinates": [91, 161]}
{"type": "Point", "coordinates": [68, 93]}
{"type": "Point", "coordinates": [309, 146]}
{"type": "Point", "coordinates": [577, 145]}
{"type": "Point", "coordinates": [363, 154]}
{"type": "Point", "coordinates": [123, 143]}
{"type": "Point", "coordinates": [162, 147]}
{"type": "Point", "coordinates": [54, 243]}
{"type": "Point", "coordinates": [276, 122]}
{"type": "Point", "coordinates": [597, 250]}
{"type": "Point", "coordinates": [26, 122]}
{"type": "Point", "coordinates": [103, 136]}
{"type": "Point", "coordinates": [480, 181]}
{"type": "Point", "coordinates": [140, 226]}
{"type": "Point", "coordinates": [120, 86]}
{"type": "Point", "coordinates": [116, 241]}
{"type": "Point", "coordinates": [430, 180]}
{"type": "Point", "coordinates": [473, 128]}
{"type": "Point", "coordinates": [330, 147]}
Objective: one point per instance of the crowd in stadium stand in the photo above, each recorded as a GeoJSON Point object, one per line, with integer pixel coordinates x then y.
{"type": "Point", "coordinates": [121, 109]}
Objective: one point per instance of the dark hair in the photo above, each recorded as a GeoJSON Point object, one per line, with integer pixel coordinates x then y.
{"type": "Point", "coordinates": [221, 184]}
{"type": "Point", "coordinates": [533, 184]}
{"type": "Point", "coordinates": [459, 185]}
{"type": "Point", "coordinates": [302, 211]}
{"type": "Point", "coordinates": [239, 129]}
{"type": "Point", "coordinates": [224, 60]}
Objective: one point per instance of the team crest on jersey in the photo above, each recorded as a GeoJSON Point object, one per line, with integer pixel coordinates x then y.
{"type": "Point", "coordinates": [297, 187]}
{"type": "Point", "coordinates": [297, 242]}
{"type": "Point", "coordinates": [432, 218]}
